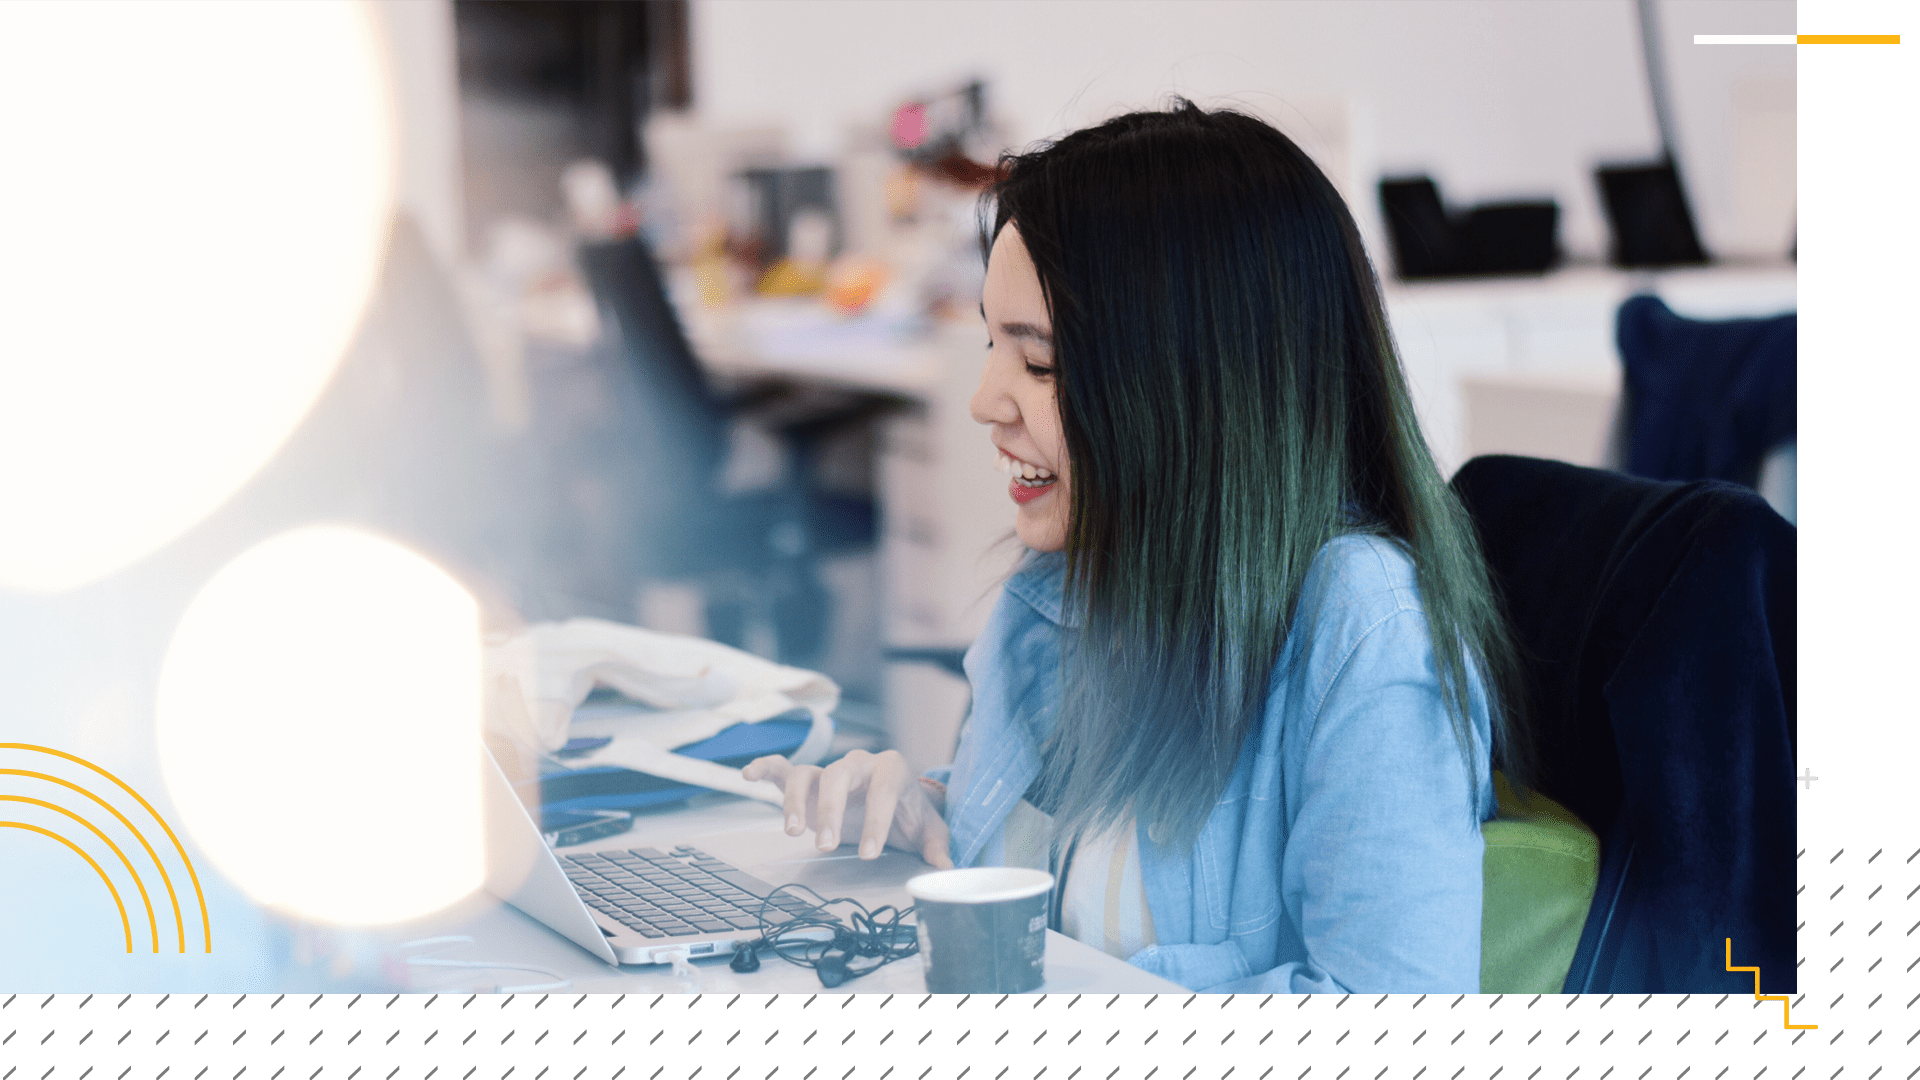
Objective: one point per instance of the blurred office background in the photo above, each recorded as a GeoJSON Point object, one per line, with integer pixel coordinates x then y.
{"type": "Point", "coordinates": [677, 325]}
{"type": "Point", "coordinates": [698, 113]}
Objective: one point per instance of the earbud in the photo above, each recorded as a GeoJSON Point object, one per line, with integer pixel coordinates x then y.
{"type": "Point", "coordinates": [833, 971]}
{"type": "Point", "coordinates": [746, 959]}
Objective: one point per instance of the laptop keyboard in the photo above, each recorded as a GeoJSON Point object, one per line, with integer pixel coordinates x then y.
{"type": "Point", "coordinates": [659, 895]}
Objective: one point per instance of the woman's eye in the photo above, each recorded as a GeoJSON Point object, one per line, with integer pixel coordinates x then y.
{"type": "Point", "coordinates": [1039, 372]}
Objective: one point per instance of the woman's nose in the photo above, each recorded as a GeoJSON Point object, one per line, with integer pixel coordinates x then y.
{"type": "Point", "coordinates": [991, 404]}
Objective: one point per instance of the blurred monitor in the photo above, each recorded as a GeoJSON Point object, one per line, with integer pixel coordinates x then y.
{"type": "Point", "coordinates": [1648, 216]}
{"type": "Point", "coordinates": [1497, 238]}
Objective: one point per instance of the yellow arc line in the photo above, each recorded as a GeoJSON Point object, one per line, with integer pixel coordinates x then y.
{"type": "Point", "coordinates": [124, 924]}
{"type": "Point", "coordinates": [180, 925]}
{"type": "Point", "coordinates": [153, 924]}
{"type": "Point", "coordinates": [1786, 1014]}
{"type": "Point", "coordinates": [1846, 39]}
{"type": "Point", "coordinates": [205, 923]}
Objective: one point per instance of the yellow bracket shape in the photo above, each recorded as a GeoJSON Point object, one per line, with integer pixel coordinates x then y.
{"type": "Point", "coordinates": [153, 924]}
{"type": "Point", "coordinates": [205, 923]}
{"type": "Point", "coordinates": [125, 926]}
{"type": "Point", "coordinates": [1786, 1014]}
{"type": "Point", "coordinates": [180, 926]}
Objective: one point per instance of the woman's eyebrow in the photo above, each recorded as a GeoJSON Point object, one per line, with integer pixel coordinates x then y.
{"type": "Point", "coordinates": [1027, 331]}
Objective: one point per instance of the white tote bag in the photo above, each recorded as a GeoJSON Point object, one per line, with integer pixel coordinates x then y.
{"type": "Point", "coordinates": [703, 687]}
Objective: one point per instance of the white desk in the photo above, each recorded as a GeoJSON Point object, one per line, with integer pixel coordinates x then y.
{"type": "Point", "coordinates": [801, 338]}
{"type": "Point", "coordinates": [503, 934]}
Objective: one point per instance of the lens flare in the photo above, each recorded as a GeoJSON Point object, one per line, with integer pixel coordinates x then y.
{"type": "Point", "coordinates": [193, 212]}
{"type": "Point", "coordinates": [318, 721]}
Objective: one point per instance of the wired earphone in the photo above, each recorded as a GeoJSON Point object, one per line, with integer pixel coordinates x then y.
{"type": "Point", "coordinates": [877, 935]}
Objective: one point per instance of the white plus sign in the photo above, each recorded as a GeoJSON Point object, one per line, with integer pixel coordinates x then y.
{"type": "Point", "coordinates": [1806, 777]}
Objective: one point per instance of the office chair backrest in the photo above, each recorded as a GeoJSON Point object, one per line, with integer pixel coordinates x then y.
{"type": "Point", "coordinates": [1704, 400]}
{"type": "Point", "coordinates": [628, 285]}
{"type": "Point", "coordinates": [676, 429]}
{"type": "Point", "coordinates": [1656, 626]}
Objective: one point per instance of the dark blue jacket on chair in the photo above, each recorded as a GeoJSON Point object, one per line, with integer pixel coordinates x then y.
{"type": "Point", "coordinates": [1656, 626]}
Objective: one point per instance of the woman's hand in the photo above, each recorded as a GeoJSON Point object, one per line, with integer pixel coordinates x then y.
{"type": "Point", "coordinates": [877, 790]}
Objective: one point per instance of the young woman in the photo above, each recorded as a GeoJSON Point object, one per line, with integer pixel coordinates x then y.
{"type": "Point", "coordinates": [1240, 696]}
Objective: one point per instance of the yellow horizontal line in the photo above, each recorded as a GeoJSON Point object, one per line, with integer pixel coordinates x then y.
{"type": "Point", "coordinates": [1847, 39]}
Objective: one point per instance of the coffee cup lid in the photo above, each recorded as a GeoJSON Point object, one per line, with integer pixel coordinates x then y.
{"type": "Point", "coordinates": [979, 885]}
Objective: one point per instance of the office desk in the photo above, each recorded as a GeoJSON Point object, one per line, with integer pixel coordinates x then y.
{"type": "Point", "coordinates": [801, 338]}
{"type": "Point", "coordinates": [503, 934]}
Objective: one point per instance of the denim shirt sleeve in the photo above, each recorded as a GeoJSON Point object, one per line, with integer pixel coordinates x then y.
{"type": "Point", "coordinates": [1382, 871]}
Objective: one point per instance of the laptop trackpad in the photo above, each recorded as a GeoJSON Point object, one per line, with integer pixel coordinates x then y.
{"type": "Point", "coordinates": [779, 859]}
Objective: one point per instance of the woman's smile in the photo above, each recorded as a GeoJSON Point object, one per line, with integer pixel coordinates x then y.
{"type": "Point", "coordinates": [1029, 481]}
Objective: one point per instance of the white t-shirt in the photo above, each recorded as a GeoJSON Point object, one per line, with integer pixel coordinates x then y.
{"type": "Point", "coordinates": [1105, 902]}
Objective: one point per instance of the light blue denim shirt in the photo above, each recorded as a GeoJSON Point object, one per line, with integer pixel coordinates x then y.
{"type": "Point", "coordinates": [1344, 854]}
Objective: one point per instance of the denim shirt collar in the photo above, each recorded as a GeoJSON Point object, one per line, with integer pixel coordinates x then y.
{"type": "Point", "coordinates": [1041, 581]}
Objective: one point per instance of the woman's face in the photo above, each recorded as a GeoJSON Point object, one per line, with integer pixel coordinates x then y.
{"type": "Point", "coordinates": [1016, 394]}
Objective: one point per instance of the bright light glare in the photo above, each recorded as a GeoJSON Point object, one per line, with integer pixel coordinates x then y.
{"type": "Point", "coordinates": [318, 722]}
{"type": "Point", "coordinates": [193, 210]}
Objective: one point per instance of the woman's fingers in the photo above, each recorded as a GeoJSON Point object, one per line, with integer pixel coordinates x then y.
{"type": "Point", "coordinates": [933, 843]}
{"type": "Point", "coordinates": [772, 767]}
{"type": "Point", "coordinates": [875, 787]}
{"type": "Point", "coordinates": [796, 783]}
{"type": "Point", "coordinates": [800, 780]}
{"type": "Point", "coordinates": [835, 781]}
{"type": "Point", "coordinates": [884, 782]}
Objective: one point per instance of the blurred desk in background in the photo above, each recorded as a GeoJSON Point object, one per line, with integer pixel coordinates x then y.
{"type": "Point", "coordinates": [802, 338]}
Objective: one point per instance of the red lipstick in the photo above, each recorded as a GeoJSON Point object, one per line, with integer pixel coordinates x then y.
{"type": "Point", "coordinates": [1023, 494]}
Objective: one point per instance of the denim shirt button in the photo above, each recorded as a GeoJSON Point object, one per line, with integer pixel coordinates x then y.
{"type": "Point", "coordinates": [1155, 834]}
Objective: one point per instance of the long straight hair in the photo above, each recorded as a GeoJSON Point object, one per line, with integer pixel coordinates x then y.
{"type": "Point", "coordinates": [1231, 401]}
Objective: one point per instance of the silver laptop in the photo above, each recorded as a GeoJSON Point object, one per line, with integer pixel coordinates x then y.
{"type": "Point", "coordinates": [643, 905]}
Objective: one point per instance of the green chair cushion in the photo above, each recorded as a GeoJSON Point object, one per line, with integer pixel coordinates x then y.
{"type": "Point", "coordinates": [1540, 867]}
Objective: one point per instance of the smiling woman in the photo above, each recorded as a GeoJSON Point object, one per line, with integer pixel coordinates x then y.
{"type": "Point", "coordinates": [1243, 696]}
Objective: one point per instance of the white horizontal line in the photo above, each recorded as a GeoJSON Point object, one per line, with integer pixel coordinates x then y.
{"type": "Point", "coordinates": [1743, 39]}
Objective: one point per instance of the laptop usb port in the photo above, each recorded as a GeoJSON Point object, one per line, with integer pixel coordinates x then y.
{"type": "Point", "coordinates": [698, 949]}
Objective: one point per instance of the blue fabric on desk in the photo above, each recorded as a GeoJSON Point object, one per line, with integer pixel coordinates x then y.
{"type": "Point", "coordinates": [1705, 400]}
{"type": "Point", "coordinates": [1656, 628]}
{"type": "Point", "coordinates": [614, 788]}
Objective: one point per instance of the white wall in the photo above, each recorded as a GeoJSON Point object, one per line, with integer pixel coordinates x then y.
{"type": "Point", "coordinates": [420, 34]}
{"type": "Point", "coordinates": [1494, 98]}
{"type": "Point", "coordinates": [1735, 118]}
